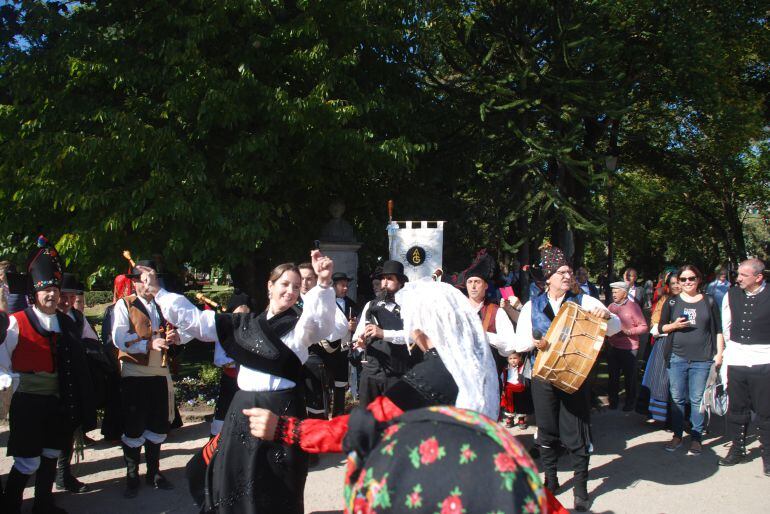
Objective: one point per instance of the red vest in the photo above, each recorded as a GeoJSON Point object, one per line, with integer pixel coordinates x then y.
{"type": "Point", "coordinates": [488, 314]}
{"type": "Point", "coordinates": [34, 352]}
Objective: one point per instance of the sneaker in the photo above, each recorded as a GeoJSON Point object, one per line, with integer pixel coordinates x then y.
{"type": "Point", "coordinates": [674, 444]}
{"type": "Point", "coordinates": [522, 424]}
{"type": "Point", "coordinates": [695, 448]}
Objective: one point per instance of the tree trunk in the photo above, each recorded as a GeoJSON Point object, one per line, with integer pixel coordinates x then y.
{"type": "Point", "coordinates": [738, 246]}
{"type": "Point", "coordinates": [251, 277]}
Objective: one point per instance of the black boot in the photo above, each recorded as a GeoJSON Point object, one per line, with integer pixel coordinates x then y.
{"type": "Point", "coordinates": [14, 491]}
{"type": "Point", "coordinates": [550, 459]}
{"type": "Point", "coordinates": [339, 402]}
{"type": "Point", "coordinates": [580, 490]}
{"type": "Point", "coordinates": [44, 478]}
{"type": "Point", "coordinates": [154, 477]}
{"type": "Point", "coordinates": [737, 452]}
{"type": "Point", "coordinates": [131, 456]}
{"type": "Point", "coordinates": [764, 438]}
{"type": "Point", "coordinates": [65, 481]}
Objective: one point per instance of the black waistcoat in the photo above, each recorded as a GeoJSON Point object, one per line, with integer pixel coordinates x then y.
{"type": "Point", "coordinates": [393, 358]}
{"type": "Point", "coordinates": [427, 383]}
{"type": "Point", "coordinates": [76, 389]}
{"type": "Point", "coordinates": [750, 316]}
{"type": "Point", "coordinates": [254, 341]}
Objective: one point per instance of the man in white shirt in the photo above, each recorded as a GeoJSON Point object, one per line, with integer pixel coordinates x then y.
{"type": "Point", "coordinates": [563, 419]}
{"type": "Point", "coordinates": [43, 349]}
{"type": "Point", "coordinates": [746, 329]}
{"type": "Point", "coordinates": [140, 333]}
{"type": "Point", "coordinates": [494, 319]}
{"type": "Point", "coordinates": [381, 336]}
{"type": "Point", "coordinates": [70, 289]}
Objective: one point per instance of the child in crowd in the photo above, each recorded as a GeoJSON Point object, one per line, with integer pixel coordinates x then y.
{"type": "Point", "coordinates": [516, 400]}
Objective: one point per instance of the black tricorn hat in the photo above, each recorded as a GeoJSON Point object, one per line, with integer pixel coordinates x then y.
{"type": "Point", "coordinates": [483, 267]}
{"type": "Point", "coordinates": [237, 299]}
{"type": "Point", "coordinates": [18, 283]}
{"type": "Point", "coordinates": [393, 268]}
{"type": "Point", "coordinates": [44, 266]}
{"type": "Point", "coordinates": [70, 284]}
{"type": "Point", "coordinates": [341, 275]}
{"type": "Point", "coordinates": [147, 263]}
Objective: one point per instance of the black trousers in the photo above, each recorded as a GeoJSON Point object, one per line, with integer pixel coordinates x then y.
{"type": "Point", "coordinates": [562, 417]}
{"type": "Point", "coordinates": [621, 361]}
{"type": "Point", "coordinates": [748, 389]}
{"type": "Point", "coordinates": [227, 387]}
{"type": "Point", "coordinates": [316, 380]}
{"type": "Point", "coordinates": [37, 421]}
{"type": "Point", "coordinates": [375, 380]}
{"type": "Point", "coordinates": [145, 405]}
{"type": "Point", "coordinates": [337, 365]}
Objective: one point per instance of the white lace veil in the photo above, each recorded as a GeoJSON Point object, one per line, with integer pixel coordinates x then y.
{"type": "Point", "coordinates": [445, 316]}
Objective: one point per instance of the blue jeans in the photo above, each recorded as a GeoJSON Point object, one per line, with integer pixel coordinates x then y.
{"type": "Point", "coordinates": [688, 380]}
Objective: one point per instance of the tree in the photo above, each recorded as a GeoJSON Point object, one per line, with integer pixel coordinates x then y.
{"type": "Point", "coordinates": [208, 132]}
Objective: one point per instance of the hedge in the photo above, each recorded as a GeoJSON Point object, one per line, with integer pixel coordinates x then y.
{"type": "Point", "coordinates": [219, 296]}
{"type": "Point", "coordinates": [98, 297]}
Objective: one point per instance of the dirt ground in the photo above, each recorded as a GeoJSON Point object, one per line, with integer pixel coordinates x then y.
{"type": "Point", "coordinates": [630, 473]}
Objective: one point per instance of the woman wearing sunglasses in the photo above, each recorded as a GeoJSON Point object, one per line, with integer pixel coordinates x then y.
{"type": "Point", "coordinates": [692, 322]}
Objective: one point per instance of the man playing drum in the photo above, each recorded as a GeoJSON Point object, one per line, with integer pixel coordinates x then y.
{"type": "Point", "coordinates": [561, 417]}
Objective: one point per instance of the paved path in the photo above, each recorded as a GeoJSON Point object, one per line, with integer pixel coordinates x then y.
{"type": "Point", "coordinates": [630, 473]}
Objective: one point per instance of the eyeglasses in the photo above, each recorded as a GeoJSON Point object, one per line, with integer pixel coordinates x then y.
{"type": "Point", "coordinates": [565, 273]}
{"type": "Point", "coordinates": [688, 279]}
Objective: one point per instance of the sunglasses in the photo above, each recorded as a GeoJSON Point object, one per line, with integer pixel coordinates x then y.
{"type": "Point", "coordinates": [688, 279]}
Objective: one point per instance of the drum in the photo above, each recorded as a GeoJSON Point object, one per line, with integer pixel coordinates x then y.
{"type": "Point", "coordinates": [574, 341]}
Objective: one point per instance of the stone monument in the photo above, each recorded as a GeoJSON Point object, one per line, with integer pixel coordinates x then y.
{"type": "Point", "coordinates": [339, 241]}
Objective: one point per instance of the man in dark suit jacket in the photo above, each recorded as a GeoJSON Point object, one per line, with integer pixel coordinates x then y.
{"type": "Point", "coordinates": [336, 358]}
{"type": "Point", "coordinates": [634, 293]}
{"type": "Point", "coordinates": [586, 285]}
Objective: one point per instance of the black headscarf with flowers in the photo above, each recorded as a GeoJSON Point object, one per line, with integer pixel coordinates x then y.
{"type": "Point", "coordinates": [439, 460]}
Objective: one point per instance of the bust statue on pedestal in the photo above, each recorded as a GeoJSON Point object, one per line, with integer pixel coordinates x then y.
{"type": "Point", "coordinates": [337, 230]}
{"type": "Point", "coordinates": [339, 241]}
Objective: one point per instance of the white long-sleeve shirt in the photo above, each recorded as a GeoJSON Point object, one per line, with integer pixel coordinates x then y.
{"type": "Point", "coordinates": [737, 354]}
{"type": "Point", "coordinates": [47, 321]}
{"type": "Point", "coordinates": [390, 336]}
{"type": "Point", "coordinates": [316, 322]}
{"type": "Point", "coordinates": [504, 339]}
{"type": "Point", "coordinates": [524, 341]}
{"type": "Point", "coordinates": [8, 378]}
{"type": "Point", "coordinates": [121, 325]}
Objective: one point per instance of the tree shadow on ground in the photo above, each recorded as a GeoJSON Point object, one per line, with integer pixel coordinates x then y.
{"type": "Point", "coordinates": [612, 431]}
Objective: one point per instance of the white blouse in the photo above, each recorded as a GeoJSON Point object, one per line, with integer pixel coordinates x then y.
{"type": "Point", "coordinates": [316, 322]}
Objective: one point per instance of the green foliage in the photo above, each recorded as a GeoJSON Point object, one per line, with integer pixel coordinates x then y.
{"type": "Point", "coordinates": [209, 375]}
{"type": "Point", "coordinates": [98, 297]}
{"type": "Point", "coordinates": [216, 133]}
